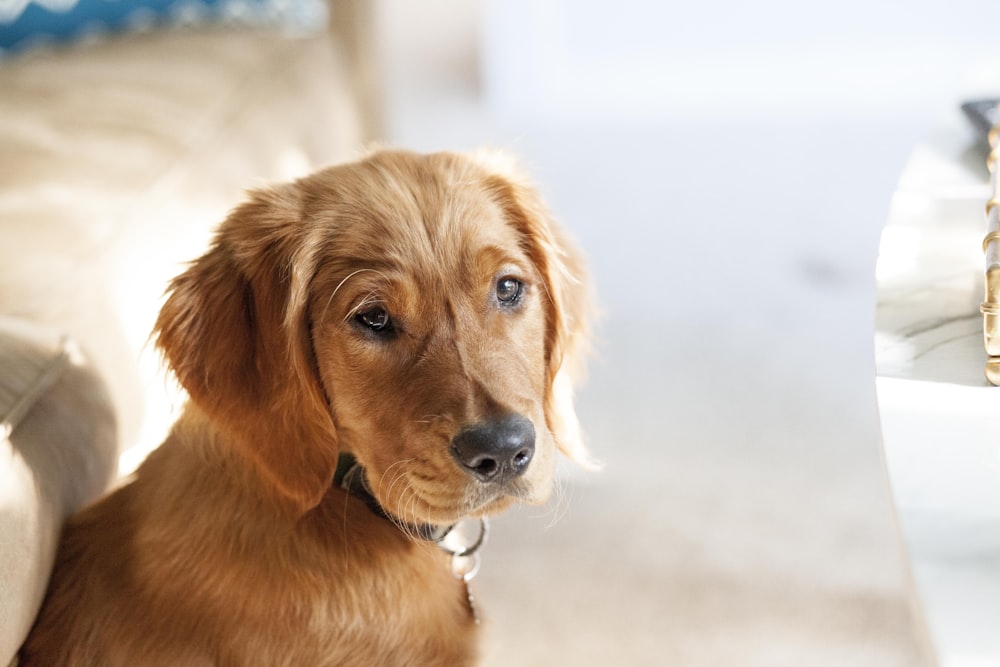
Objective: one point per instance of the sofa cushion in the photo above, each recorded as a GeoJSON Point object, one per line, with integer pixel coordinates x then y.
{"type": "Point", "coordinates": [119, 160]}
{"type": "Point", "coordinates": [57, 451]}
{"type": "Point", "coordinates": [26, 24]}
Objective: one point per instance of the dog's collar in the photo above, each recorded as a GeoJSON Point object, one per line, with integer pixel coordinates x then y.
{"type": "Point", "coordinates": [350, 477]}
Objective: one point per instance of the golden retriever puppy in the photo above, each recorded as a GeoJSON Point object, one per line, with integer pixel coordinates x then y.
{"type": "Point", "coordinates": [420, 313]}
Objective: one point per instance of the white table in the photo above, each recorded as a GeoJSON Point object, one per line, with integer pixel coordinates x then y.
{"type": "Point", "coordinates": [940, 418]}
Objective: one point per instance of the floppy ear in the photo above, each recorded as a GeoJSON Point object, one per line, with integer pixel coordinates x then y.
{"type": "Point", "coordinates": [235, 331]}
{"type": "Point", "coordinates": [568, 299]}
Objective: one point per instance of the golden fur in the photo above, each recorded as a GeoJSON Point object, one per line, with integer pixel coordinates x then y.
{"type": "Point", "coordinates": [231, 546]}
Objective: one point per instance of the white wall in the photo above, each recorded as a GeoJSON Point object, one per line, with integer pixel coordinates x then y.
{"type": "Point", "coordinates": [645, 59]}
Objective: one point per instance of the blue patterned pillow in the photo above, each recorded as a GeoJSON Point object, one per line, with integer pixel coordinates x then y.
{"type": "Point", "coordinates": [25, 24]}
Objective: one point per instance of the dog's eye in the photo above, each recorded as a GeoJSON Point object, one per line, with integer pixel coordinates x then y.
{"type": "Point", "coordinates": [509, 291]}
{"type": "Point", "coordinates": [375, 319]}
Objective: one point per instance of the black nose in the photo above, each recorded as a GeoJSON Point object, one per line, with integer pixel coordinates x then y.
{"type": "Point", "coordinates": [496, 450]}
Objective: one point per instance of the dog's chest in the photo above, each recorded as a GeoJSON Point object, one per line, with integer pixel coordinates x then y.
{"type": "Point", "coordinates": [389, 600]}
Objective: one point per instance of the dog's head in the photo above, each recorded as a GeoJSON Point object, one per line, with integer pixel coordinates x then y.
{"type": "Point", "coordinates": [422, 312]}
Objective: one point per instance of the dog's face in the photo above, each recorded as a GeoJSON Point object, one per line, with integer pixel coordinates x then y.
{"type": "Point", "coordinates": [421, 312]}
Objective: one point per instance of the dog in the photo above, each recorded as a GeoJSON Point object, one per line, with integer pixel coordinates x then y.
{"type": "Point", "coordinates": [420, 315]}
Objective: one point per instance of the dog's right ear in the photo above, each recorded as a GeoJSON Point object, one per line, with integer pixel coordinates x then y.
{"type": "Point", "coordinates": [567, 293]}
{"type": "Point", "coordinates": [235, 331]}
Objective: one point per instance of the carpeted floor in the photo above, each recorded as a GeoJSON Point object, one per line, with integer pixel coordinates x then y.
{"type": "Point", "coordinates": [742, 517]}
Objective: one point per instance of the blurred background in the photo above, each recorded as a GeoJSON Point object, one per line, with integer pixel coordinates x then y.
{"type": "Point", "coordinates": [727, 168]}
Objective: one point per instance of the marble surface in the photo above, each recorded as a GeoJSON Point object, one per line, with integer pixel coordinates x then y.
{"type": "Point", "coordinates": [939, 417]}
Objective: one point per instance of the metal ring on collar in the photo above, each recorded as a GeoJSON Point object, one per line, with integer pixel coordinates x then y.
{"type": "Point", "coordinates": [468, 550]}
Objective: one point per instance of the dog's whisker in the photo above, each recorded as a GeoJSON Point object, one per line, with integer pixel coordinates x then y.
{"type": "Point", "coordinates": [398, 475]}
{"type": "Point", "coordinates": [433, 418]}
{"type": "Point", "coordinates": [370, 299]}
{"type": "Point", "coordinates": [408, 500]}
{"type": "Point", "coordinates": [351, 275]}
{"type": "Point", "coordinates": [561, 506]}
{"type": "Point", "coordinates": [333, 293]}
{"type": "Point", "coordinates": [411, 507]}
{"type": "Point", "coordinates": [428, 419]}
{"type": "Point", "coordinates": [393, 472]}
{"type": "Point", "coordinates": [336, 289]}
{"type": "Point", "coordinates": [403, 522]}
{"type": "Point", "coordinates": [400, 463]}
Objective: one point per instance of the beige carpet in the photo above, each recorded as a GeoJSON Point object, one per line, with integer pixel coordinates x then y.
{"type": "Point", "coordinates": [741, 519]}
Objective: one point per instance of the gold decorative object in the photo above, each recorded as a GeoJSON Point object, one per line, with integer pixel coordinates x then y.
{"type": "Point", "coordinates": [991, 247]}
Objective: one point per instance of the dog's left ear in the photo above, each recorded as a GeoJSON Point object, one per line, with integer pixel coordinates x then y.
{"type": "Point", "coordinates": [235, 331]}
{"type": "Point", "coordinates": [567, 294]}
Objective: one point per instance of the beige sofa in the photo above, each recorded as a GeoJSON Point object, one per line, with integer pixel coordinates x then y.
{"type": "Point", "coordinates": [116, 161]}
